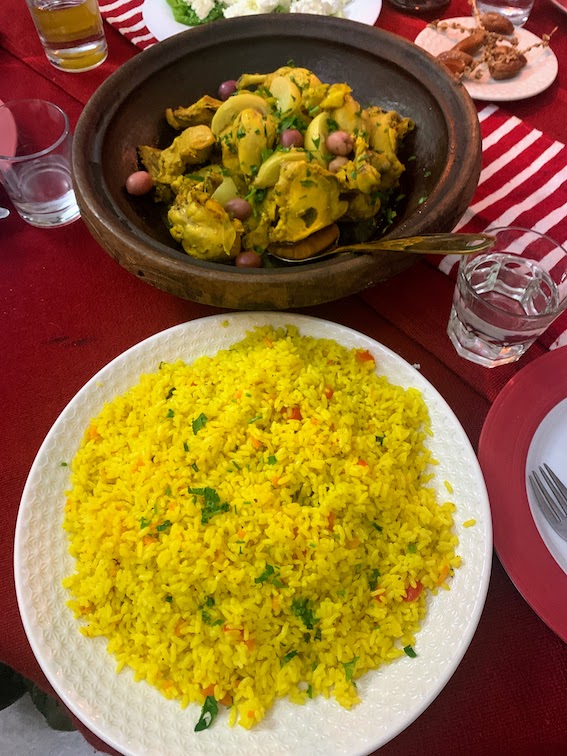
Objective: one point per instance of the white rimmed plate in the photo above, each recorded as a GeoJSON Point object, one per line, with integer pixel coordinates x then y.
{"type": "Point", "coordinates": [133, 717]}
{"type": "Point", "coordinates": [535, 77]}
{"type": "Point", "coordinates": [158, 16]}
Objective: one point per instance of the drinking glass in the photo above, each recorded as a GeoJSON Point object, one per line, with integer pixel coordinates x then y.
{"type": "Point", "coordinates": [71, 33]}
{"type": "Point", "coordinates": [517, 11]}
{"type": "Point", "coordinates": [36, 169]}
{"type": "Point", "coordinates": [508, 296]}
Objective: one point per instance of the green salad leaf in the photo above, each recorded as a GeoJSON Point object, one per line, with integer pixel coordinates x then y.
{"type": "Point", "coordinates": [183, 14]}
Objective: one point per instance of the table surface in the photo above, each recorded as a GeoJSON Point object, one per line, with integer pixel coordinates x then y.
{"type": "Point", "coordinates": [68, 309]}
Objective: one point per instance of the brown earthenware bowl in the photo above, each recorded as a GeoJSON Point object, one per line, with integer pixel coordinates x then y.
{"type": "Point", "coordinates": [382, 69]}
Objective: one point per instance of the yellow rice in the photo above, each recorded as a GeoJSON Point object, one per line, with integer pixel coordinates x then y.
{"type": "Point", "coordinates": [293, 577]}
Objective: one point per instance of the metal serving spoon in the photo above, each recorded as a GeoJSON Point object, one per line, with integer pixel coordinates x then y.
{"type": "Point", "coordinates": [427, 244]}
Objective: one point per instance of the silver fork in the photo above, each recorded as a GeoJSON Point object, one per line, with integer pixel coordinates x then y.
{"type": "Point", "coordinates": [551, 496]}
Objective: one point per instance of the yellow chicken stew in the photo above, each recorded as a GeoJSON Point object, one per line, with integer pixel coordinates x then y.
{"type": "Point", "coordinates": [277, 163]}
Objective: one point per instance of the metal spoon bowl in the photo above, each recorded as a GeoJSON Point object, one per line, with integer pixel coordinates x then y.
{"type": "Point", "coordinates": [427, 244]}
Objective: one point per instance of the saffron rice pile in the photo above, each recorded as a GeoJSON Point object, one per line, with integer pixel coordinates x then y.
{"type": "Point", "coordinates": [258, 524]}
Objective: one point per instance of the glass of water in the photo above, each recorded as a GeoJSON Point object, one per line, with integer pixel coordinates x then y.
{"type": "Point", "coordinates": [508, 296]}
{"type": "Point", "coordinates": [516, 11]}
{"type": "Point", "coordinates": [36, 171]}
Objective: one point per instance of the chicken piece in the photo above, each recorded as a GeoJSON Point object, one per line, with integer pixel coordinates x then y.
{"type": "Point", "coordinates": [308, 199]}
{"type": "Point", "coordinates": [362, 173]}
{"type": "Point", "coordinates": [192, 147]}
{"type": "Point", "coordinates": [197, 114]}
{"type": "Point", "coordinates": [350, 117]}
{"type": "Point", "coordinates": [302, 77]}
{"type": "Point", "coordinates": [386, 130]}
{"type": "Point", "coordinates": [203, 228]}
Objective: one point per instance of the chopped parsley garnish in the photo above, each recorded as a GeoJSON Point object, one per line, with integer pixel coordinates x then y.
{"type": "Point", "coordinates": [270, 576]}
{"type": "Point", "coordinates": [199, 423]}
{"type": "Point", "coordinates": [208, 620]}
{"type": "Point", "coordinates": [170, 413]}
{"type": "Point", "coordinates": [144, 523]}
{"type": "Point", "coordinates": [310, 691]}
{"type": "Point", "coordinates": [211, 503]}
{"type": "Point", "coordinates": [303, 608]}
{"type": "Point", "coordinates": [64, 464]}
{"type": "Point", "coordinates": [185, 446]}
{"type": "Point", "coordinates": [373, 581]}
{"type": "Point", "coordinates": [169, 599]}
{"type": "Point", "coordinates": [272, 460]}
{"type": "Point", "coordinates": [412, 548]}
{"type": "Point", "coordinates": [170, 393]}
{"type": "Point", "coordinates": [256, 196]}
{"type": "Point", "coordinates": [408, 650]}
{"type": "Point", "coordinates": [268, 572]}
{"type": "Point", "coordinates": [164, 526]}
{"type": "Point", "coordinates": [349, 668]}
{"type": "Point", "coordinates": [208, 714]}
{"type": "Point", "coordinates": [421, 200]}
{"type": "Point", "coordinates": [377, 527]}
{"type": "Point", "coordinates": [194, 467]}
{"type": "Point", "coordinates": [332, 125]}
{"type": "Point", "coordinates": [380, 439]}
{"type": "Point", "coordinates": [167, 491]}
{"type": "Point", "coordinates": [253, 420]}
{"type": "Point", "coordinates": [288, 657]}
{"type": "Point", "coordinates": [308, 182]}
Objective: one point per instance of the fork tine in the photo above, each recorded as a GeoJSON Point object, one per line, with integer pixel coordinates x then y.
{"type": "Point", "coordinates": [546, 503]}
{"type": "Point", "coordinates": [556, 486]}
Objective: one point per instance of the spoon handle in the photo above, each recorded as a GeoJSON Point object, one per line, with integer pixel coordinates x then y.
{"type": "Point", "coordinates": [430, 244]}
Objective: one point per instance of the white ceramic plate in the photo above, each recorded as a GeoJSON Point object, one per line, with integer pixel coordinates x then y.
{"type": "Point", "coordinates": [537, 75]}
{"type": "Point", "coordinates": [158, 16]}
{"type": "Point", "coordinates": [548, 445]}
{"type": "Point", "coordinates": [133, 717]}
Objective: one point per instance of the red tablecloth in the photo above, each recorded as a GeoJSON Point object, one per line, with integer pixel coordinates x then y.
{"type": "Point", "coordinates": [68, 309]}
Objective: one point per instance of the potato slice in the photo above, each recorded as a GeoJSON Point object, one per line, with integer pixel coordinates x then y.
{"type": "Point", "coordinates": [286, 94]}
{"type": "Point", "coordinates": [225, 191]}
{"type": "Point", "coordinates": [269, 172]}
{"type": "Point", "coordinates": [230, 108]}
{"type": "Point", "coordinates": [316, 136]}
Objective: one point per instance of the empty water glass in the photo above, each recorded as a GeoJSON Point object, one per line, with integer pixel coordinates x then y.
{"type": "Point", "coordinates": [36, 169]}
{"type": "Point", "coordinates": [505, 298]}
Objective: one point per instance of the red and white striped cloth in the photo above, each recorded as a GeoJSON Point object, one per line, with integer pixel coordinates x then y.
{"type": "Point", "coordinates": [126, 16]}
{"type": "Point", "coordinates": [523, 180]}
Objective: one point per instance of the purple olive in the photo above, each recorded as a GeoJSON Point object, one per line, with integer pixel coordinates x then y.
{"type": "Point", "coordinates": [138, 183]}
{"type": "Point", "coordinates": [238, 208]}
{"type": "Point", "coordinates": [248, 259]}
{"type": "Point", "coordinates": [291, 138]}
{"type": "Point", "coordinates": [339, 143]}
{"type": "Point", "coordinates": [227, 88]}
{"type": "Point", "coordinates": [337, 163]}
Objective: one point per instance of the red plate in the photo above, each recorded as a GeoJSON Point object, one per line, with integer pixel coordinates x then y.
{"type": "Point", "coordinates": [503, 448]}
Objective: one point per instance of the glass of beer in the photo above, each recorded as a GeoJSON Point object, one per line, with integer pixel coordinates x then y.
{"type": "Point", "coordinates": [71, 33]}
